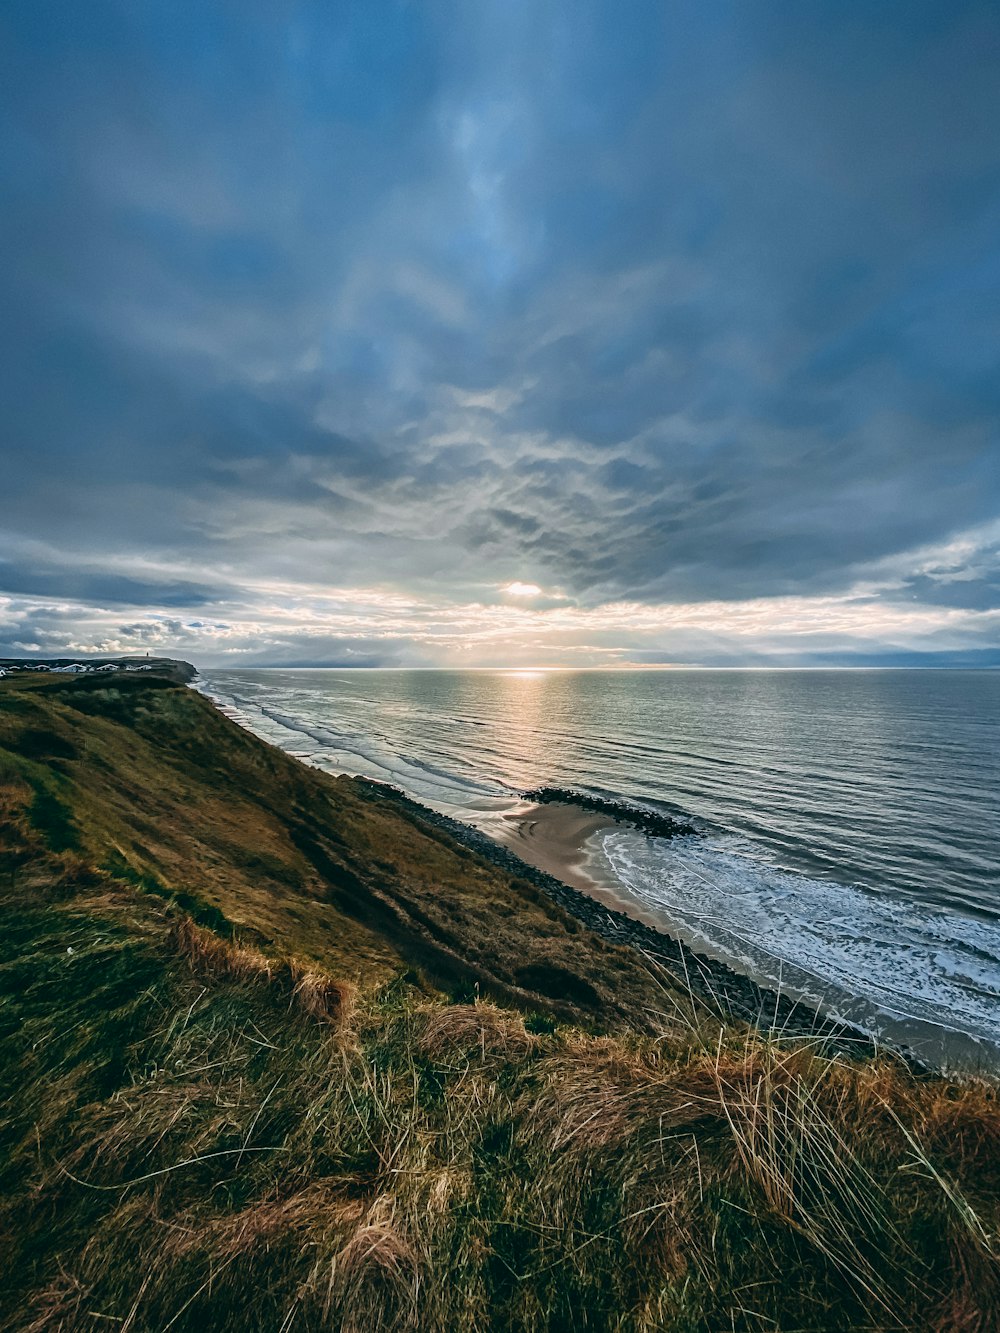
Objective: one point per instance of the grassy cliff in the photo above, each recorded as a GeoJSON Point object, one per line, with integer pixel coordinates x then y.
{"type": "Point", "coordinates": [277, 1054]}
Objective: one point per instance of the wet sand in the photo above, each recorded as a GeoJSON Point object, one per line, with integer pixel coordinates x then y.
{"type": "Point", "coordinates": [554, 837]}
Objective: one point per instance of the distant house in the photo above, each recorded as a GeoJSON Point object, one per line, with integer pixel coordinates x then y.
{"type": "Point", "coordinates": [72, 669]}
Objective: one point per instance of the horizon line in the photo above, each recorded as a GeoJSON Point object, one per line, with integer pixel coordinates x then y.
{"type": "Point", "coordinates": [627, 668]}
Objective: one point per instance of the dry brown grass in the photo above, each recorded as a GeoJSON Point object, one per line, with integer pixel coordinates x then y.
{"type": "Point", "coordinates": [322, 997]}
{"type": "Point", "coordinates": [312, 992]}
{"type": "Point", "coordinates": [374, 1279]}
{"type": "Point", "coordinates": [452, 1035]}
{"type": "Point", "coordinates": [182, 1150]}
{"type": "Point", "coordinates": [213, 957]}
{"type": "Point", "coordinates": [317, 1214]}
{"type": "Point", "coordinates": [447, 1169]}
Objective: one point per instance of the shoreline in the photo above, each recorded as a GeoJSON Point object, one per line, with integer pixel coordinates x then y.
{"type": "Point", "coordinates": [544, 846]}
{"type": "Point", "coordinates": [552, 839]}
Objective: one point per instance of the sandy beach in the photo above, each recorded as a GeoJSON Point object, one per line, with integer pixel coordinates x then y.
{"type": "Point", "coordinates": [554, 838]}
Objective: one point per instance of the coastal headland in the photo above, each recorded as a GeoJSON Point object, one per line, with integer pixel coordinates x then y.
{"type": "Point", "coordinates": [168, 668]}
{"type": "Point", "coordinates": [287, 1050]}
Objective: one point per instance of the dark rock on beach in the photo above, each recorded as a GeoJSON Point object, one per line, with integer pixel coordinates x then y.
{"type": "Point", "coordinates": [649, 821]}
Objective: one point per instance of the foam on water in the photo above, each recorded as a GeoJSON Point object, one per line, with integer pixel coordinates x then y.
{"type": "Point", "coordinates": [862, 954]}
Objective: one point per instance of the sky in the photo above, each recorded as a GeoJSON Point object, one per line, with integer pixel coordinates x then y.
{"type": "Point", "coordinates": [413, 333]}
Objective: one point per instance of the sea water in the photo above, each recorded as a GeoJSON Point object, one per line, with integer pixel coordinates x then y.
{"type": "Point", "coordinates": [849, 820]}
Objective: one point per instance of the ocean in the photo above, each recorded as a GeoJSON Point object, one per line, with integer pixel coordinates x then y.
{"type": "Point", "coordinates": [849, 821]}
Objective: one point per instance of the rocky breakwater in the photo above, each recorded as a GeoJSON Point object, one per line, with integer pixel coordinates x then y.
{"type": "Point", "coordinates": [654, 823]}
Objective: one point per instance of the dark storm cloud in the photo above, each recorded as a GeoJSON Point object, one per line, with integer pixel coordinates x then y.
{"type": "Point", "coordinates": [102, 588]}
{"type": "Point", "coordinates": [698, 303]}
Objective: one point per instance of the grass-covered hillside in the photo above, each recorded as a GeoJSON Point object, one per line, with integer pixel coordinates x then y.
{"type": "Point", "coordinates": [277, 1054]}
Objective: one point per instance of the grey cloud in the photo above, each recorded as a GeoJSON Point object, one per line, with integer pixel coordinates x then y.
{"type": "Point", "coordinates": [104, 588]}
{"type": "Point", "coordinates": [732, 276]}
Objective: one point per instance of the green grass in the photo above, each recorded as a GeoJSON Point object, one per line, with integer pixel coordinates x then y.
{"type": "Point", "coordinates": [51, 816]}
{"type": "Point", "coordinates": [147, 779]}
{"type": "Point", "coordinates": [207, 1128]}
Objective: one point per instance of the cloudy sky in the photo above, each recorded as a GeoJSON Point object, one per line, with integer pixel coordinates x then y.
{"type": "Point", "coordinates": [504, 331]}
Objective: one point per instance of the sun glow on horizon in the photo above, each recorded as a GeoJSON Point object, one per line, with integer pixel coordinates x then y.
{"type": "Point", "coordinates": [517, 589]}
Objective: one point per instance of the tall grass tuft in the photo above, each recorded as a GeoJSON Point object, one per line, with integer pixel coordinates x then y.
{"type": "Point", "coordinates": [421, 1165]}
